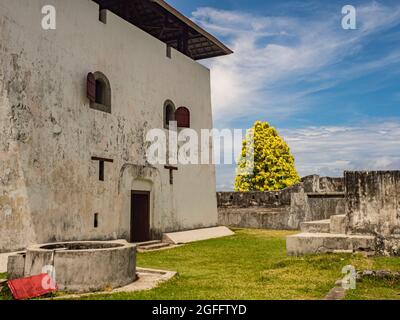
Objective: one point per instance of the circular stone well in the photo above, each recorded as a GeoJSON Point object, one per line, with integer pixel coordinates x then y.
{"type": "Point", "coordinates": [85, 266]}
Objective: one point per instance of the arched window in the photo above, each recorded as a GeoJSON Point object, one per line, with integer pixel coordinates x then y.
{"type": "Point", "coordinates": [182, 116]}
{"type": "Point", "coordinates": [169, 113]}
{"type": "Point", "coordinates": [99, 92]}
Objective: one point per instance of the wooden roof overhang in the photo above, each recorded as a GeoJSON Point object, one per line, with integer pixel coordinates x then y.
{"type": "Point", "coordinates": [162, 21]}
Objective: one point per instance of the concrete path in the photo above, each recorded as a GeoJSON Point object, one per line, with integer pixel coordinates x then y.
{"type": "Point", "coordinates": [197, 235]}
{"type": "Point", "coordinates": [147, 279]}
{"type": "Point", "coordinates": [337, 293]}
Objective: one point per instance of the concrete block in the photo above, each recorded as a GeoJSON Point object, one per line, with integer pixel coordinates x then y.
{"type": "Point", "coordinates": [321, 226]}
{"type": "Point", "coordinates": [197, 235]}
{"type": "Point", "coordinates": [16, 266]}
{"type": "Point", "coordinates": [312, 243]}
{"type": "Point", "coordinates": [338, 224]}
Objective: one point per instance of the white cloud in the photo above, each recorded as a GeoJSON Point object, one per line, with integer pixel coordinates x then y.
{"type": "Point", "coordinates": [330, 150]}
{"type": "Point", "coordinates": [279, 62]}
{"type": "Point", "coordinates": [274, 54]}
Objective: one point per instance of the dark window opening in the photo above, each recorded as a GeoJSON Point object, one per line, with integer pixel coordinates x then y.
{"type": "Point", "coordinates": [96, 220]}
{"type": "Point", "coordinates": [102, 162]}
{"type": "Point", "coordinates": [101, 170]}
{"type": "Point", "coordinates": [103, 16]}
{"type": "Point", "coordinates": [99, 92]}
{"type": "Point", "coordinates": [169, 51]}
{"type": "Point", "coordinates": [169, 113]}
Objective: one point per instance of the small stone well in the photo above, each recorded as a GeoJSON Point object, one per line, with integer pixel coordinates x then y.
{"type": "Point", "coordinates": [84, 266]}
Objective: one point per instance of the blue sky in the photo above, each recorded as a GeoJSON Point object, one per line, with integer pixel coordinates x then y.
{"type": "Point", "coordinates": [333, 94]}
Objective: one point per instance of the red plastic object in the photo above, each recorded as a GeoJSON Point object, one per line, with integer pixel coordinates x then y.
{"type": "Point", "coordinates": [31, 287]}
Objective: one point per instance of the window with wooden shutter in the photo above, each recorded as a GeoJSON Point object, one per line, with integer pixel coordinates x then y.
{"type": "Point", "coordinates": [99, 92]}
{"type": "Point", "coordinates": [91, 87]}
{"type": "Point", "coordinates": [182, 117]}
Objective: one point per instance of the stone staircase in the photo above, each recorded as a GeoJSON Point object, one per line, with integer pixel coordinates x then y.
{"type": "Point", "coordinates": [325, 236]}
{"type": "Point", "coordinates": [152, 246]}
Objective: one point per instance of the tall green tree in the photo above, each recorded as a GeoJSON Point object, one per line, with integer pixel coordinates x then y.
{"type": "Point", "coordinates": [274, 167]}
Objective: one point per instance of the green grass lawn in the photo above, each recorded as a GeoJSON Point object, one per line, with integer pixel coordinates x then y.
{"type": "Point", "coordinates": [5, 293]}
{"type": "Point", "coordinates": [373, 289]}
{"type": "Point", "coordinates": [253, 265]}
{"type": "Point", "coordinates": [250, 265]}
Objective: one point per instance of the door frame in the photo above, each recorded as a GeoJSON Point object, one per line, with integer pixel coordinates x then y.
{"type": "Point", "coordinates": [148, 194]}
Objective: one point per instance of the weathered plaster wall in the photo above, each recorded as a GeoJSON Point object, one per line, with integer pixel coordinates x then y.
{"type": "Point", "coordinates": [373, 202]}
{"type": "Point", "coordinates": [323, 206]}
{"type": "Point", "coordinates": [49, 188]}
{"type": "Point", "coordinates": [319, 198]}
{"type": "Point", "coordinates": [317, 184]}
{"type": "Point", "coordinates": [258, 218]}
{"type": "Point", "coordinates": [265, 210]}
{"type": "Point", "coordinates": [315, 198]}
{"type": "Point", "coordinates": [256, 199]}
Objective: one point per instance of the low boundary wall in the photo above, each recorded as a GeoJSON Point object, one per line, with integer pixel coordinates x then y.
{"type": "Point", "coordinates": [315, 198]}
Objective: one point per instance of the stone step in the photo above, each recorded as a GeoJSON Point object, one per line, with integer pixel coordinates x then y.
{"type": "Point", "coordinates": [154, 246]}
{"type": "Point", "coordinates": [146, 243]}
{"type": "Point", "coordinates": [338, 224]}
{"type": "Point", "coordinates": [320, 226]}
{"type": "Point", "coordinates": [312, 243]}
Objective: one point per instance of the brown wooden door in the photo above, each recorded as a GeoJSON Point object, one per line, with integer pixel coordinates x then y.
{"type": "Point", "coordinates": [140, 216]}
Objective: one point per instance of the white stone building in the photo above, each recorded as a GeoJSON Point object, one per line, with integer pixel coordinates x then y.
{"type": "Point", "coordinates": [75, 106]}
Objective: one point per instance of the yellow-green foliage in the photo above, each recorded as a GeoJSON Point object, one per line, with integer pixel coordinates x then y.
{"type": "Point", "coordinates": [273, 162]}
